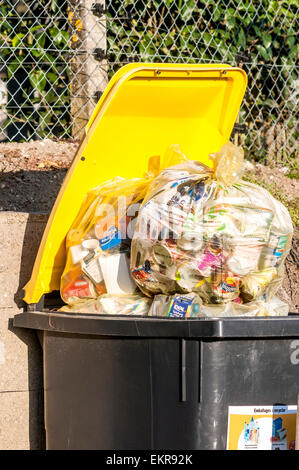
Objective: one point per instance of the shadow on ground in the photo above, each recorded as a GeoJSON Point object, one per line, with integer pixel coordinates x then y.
{"type": "Point", "coordinates": [30, 191]}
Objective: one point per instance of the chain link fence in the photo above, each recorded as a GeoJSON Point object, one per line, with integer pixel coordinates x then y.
{"type": "Point", "coordinates": [57, 56]}
{"type": "Point", "coordinates": [49, 71]}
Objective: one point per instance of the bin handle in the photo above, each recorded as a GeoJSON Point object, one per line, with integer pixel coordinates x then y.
{"type": "Point", "coordinates": [183, 379]}
{"type": "Point", "coordinates": [183, 371]}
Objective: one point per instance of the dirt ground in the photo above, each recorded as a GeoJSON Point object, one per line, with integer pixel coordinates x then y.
{"type": "Point", "coordinates": [31, 174]}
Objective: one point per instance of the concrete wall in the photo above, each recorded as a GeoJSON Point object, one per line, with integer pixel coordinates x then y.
{"type": "Point", "coordinates": [21, 381]}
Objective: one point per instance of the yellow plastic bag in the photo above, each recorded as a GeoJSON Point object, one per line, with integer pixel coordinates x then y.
{"type": "Point", "coordinates": [108, 304]}
{"type": "Point", "coordinates": [228, 164]}
{"type": "Point", "coordinates": [98, 242]}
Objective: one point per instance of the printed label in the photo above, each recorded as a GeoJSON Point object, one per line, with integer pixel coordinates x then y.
{"type": "Point", "coordinates": [80, 289]}
{"type": "Point", "coordinates": [179, 307]}
{"type": "Point", "coordinates": [261, 427]}
{"type": "Point", "coordinates": [93, 270]}
{"type": "Point", "coordinates": [229, 285]}
{"type": "Point", "coordinates": [111, 239]}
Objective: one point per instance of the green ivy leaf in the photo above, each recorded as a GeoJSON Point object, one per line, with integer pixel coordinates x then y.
{"type": "Point", "coordinates": [14, 65]}
{"type": "Point", "coordinates": [217, 13]}
{"type": "Point", "coordinates": [207, 38]}
{"type": "Point", "coordinates": [273, 6]}
{"type": "Point", "coordinates": [257, 30]}
{"type": "Point", "coordinates": [276, 44]}
{"type": "Point", "coordinates": [53, 5]}
{"type": "Point", "coordinates": [267, 40]}
{"type": "Point", "coordinates": [51, 97]}
{"type": "Point", "coordinates": [230, 13]}
{"type": "Point", "coordinates": [242, 38]}
{"type": "Point", "coordinates": [263, 52]}
{"type": "Point", "coordinates": [52, 77]}
{"type": "Point", "coordinates": [49, 58]}
{"type": "Point", "coordinates": [294, 52]}
{"type": "Point", "coordinates": [187, 10]}
{"type": "Point", "coordinates": [246, 20]}
{"type": "Point", "coordinates": [37, 48]}
{"type": "Point", "coordinates": [37, 29]}
{"type": "Point", "coordinates": [5, 26]}
{"type": "Point", "coordinates": [58, 36]}
{"type": "Point", "coordinates": [44, 120]}
{"type": "Point", "coordinates": [37, 79]}
{"type": "Point", "coordinates": [17, 39]}
{"type": "Point", "coordinates": [290, 41]}
{"type": "Point", "coordinates": [5, 52]}
{"type": "Point", "coordinates": [271, 103]}
{"type": "Point", "coordinates": [231, 22]}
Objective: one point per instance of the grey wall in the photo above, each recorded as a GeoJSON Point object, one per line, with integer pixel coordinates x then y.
{"type": "Point", "coordinates": [21, 380]}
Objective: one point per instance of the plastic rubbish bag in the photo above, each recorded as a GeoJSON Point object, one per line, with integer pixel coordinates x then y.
{"type": "Point", "coordinates": [99, 230]}
{"type": "Point", "coordinates": [186, 306]}
{"type": "Point", "coordinates": [203, 230]}
{"type": "Point", "coordinates": [108, 304]}
{"type": "Point", "coordinates": [98, 242]}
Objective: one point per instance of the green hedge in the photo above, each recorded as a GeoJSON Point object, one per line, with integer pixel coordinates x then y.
{"type": "Point", "coordinates": [262, 32]}
{"type": "Point", "coordinates": [33, 40]}
{"type": "Point", "coordinates": [158, 30]}
{"type": "Point", "coordinates": [198, 30]}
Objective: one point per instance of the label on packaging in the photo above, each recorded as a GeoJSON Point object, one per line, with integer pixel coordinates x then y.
{"type": "Point", "coordinates": [179, 307]}
{"type": "Point", "coordinates": [93, 270]}
{"type": "Point", "coordinates": [79, 289]}
{"type": "Point", "coordinates": [111, 239]}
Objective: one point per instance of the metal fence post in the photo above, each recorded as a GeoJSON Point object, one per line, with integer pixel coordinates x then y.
{"type": "Point", "coordinates": [3, 104]}
{"type": "Point", "coordinates": [88, 71]}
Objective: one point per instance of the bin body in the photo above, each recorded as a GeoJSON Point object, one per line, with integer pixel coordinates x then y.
{"type": "Point", "coordinates": [166, 386]}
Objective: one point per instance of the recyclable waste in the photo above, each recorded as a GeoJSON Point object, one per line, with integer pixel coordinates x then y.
{"type": "Point", "coordinates": [185, 241]}
{"type": "Point", "coordinates": [206, 231]}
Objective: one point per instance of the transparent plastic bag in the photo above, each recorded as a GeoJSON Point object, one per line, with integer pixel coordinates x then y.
{"type": "Point", "coordinates": [108, 304]}
{"type": "Point", "coordinates": [186, 306]}
{"type": "Point", "coordinates": [205, 231]}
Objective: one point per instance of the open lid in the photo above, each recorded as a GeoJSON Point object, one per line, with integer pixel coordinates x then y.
{"type": "Point", "coordinates": [144, 109]}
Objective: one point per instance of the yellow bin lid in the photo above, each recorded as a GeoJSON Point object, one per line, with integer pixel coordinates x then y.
{"type": "Point", "coordinates": [144, 109]}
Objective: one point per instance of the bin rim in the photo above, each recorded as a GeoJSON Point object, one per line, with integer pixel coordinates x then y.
{"type": "Point", "coordinates": [159, 327]}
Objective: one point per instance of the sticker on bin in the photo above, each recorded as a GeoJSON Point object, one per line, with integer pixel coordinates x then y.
{"type": "Point", "coordinates": [261, 427]}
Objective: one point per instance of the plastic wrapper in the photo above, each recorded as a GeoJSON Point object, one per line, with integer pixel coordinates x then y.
{"type": "Point", "coordinates": [108, 304]}
{"type": "Point", "coordinates": [98, 242]}
{"type": "Point", "coordinates": [203, 230]}
{"type": "Point", "coordinates": [165, 306]}
{"type": "Point", "coordinates": [176, 306]}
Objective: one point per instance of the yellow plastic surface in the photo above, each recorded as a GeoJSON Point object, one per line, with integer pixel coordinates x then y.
{"type": "Point", "coordinates": [144, 109]}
